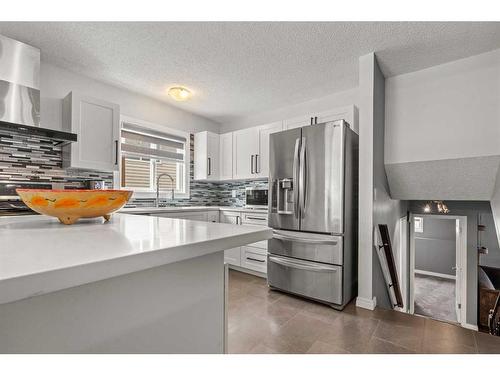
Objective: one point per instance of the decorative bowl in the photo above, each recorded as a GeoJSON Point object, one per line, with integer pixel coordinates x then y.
{"type": "Point", "coordinates": [70, 205]}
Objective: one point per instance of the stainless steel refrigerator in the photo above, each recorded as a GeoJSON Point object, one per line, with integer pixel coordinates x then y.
{"type": "Point", "coordinates": [313, 174]}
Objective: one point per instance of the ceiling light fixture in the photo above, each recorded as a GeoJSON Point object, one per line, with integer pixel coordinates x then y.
{"type": "Point", "coordinates": [179, 93]}
{"type": "Point", "coordinates": [441, 207]}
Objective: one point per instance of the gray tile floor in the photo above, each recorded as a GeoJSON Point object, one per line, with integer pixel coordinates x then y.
{"type": "Point", "coordinates": [265, 321]}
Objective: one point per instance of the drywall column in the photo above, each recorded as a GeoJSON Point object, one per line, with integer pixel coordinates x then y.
{"type": "Point", "coordinates": [365, 297]}
{"type": "Point", "coordinates": [375, 203]}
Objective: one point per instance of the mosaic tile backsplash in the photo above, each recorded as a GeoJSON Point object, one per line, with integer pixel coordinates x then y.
{"type": "Point", "coordinates": [29, 159]}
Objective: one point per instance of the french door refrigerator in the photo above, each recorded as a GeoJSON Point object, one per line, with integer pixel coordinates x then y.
{"type": "Point", "coordinates": [313, 174]}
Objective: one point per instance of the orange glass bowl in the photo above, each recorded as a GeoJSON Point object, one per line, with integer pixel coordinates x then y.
{"type": "Point", "coordinates": [70, 205]}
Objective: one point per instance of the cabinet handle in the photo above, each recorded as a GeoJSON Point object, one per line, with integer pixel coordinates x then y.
{"type": "Point", "coordinates": [256, 164]}
{"type": "Point", "coordinates": [209, 167]}
{"type": "Point", "coordinates": [256, 218]}
{"type": "Point", "coordinates": [311, 120]}
{"type": "Point", "coordinates": [256, 260]}
{"type": "Point", "coordinates": [315, 120]}
{"type": "Point", "coordinates": [116, 152]}
{"type": "Point", "coordinates": [251, 164]}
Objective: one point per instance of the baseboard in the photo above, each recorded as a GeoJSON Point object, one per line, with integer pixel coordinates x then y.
{"type": "Point", "coordinates": [435, 274]}
{"type": "Point", "coordinates": [366, 303]}
{"type": "Point", "coordinates": [246, 270]}
{"type": "Point", "coordinates": [470, 326]}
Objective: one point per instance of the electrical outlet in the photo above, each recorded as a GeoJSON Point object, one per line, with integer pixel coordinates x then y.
{"type": "Point", "coordinates": [234, 193]}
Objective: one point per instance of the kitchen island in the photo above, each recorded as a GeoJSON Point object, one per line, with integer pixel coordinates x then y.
{"type": "Point", "coordinates": [136, 284]}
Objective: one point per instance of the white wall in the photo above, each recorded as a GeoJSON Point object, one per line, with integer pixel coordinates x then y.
{"type": "Point", "coordinates": [444, 112]}
{"type": "Point", "coordinates": [338, 99]}
{"type": "Point", "coordinates": [365, 221]}
{"type": "Point", "coordinates": [56, 83]}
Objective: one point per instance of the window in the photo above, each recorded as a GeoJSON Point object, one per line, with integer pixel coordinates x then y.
{"type": "Point", "coordinates": [418, 224]}
{"type": "Point", "coordinates": [147, 153]}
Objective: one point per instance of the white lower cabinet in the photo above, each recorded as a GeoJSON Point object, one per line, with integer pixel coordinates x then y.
{"type": "Point", "coordinates": [254, 258]}
{"type": "Point", "coordinates": [233, 256]}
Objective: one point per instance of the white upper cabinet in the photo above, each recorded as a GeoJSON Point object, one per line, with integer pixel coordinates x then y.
{"type": "Point", "coordinates": [245, 147]}
{"type": "Point", "coordinates": [226, 156]}
{"type": "Point", "coordinates": [97, 125]}
{"type": "Point", "coordinates": [297, 122]}
{"type": "Point", "coordinates": [347, 113]}
{"type": "Point", "coordinates": [251, 150]}
{"type": "Point", "coordinates": [262, 158]}
{"type": "Point", "coordinates": [206, 156]}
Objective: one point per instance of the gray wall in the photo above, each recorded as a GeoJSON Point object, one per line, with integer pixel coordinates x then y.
{"type": "Point", "coordinates": [471, 209]}
{"type": "Point", "coordinates": [435, 247]}
{"type": "Point", "coordinates": [56, 83]}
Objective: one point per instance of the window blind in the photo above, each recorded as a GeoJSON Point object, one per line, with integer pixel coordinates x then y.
{"type": "Point", "coordinates": [146, 144]}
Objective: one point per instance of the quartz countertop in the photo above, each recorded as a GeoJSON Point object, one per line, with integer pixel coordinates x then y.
{"type": "Point", "coordinates": [146, 210]}
{"type": "Point", "coordinates": [38, 255]}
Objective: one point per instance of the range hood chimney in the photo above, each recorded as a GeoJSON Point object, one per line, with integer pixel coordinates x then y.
{"type": "Point", "coordinates": [20, 92]}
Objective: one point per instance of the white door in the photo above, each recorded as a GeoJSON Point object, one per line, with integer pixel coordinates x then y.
{"type": "Point", "coordinates": [97, 125]}
{"type": "Point", "coordinates": [245, 147]}
{"type": "Point", "coordinates": [262, 162]}
{"type": "Point", "coordinates": [213, 156]}
{"type": "Point", "coordinates": [226, 156]}
{"type": "Point", "coordinates": [458, 269]}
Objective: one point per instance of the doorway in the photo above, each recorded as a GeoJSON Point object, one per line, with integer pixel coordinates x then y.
{"type": "Point", "coordinates": [437, 267]}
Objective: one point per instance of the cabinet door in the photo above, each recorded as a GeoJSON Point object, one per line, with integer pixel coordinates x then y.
{"type": "Point", "coordinates": [213, 156]}
{"type": "Point", "coordinates": [253, 259]}
{"type": "Point", "coordinates": [97, 125]}
{"type": "Point", "coordinates": [226, 156]}
{"type": "Point", "coordinates": [245, 147]}
{"type": "Point", "coordinates": [213, 216]}
{"type": "Point", "coordinates": [298, 122]}
{"type": "Point", "coordinates": [230, 217]}
{"type": "Point", "coordinates": [262, 162]}
{"type": "Point", "coordinates": [233, 256]}
{"type": "Point", "coordinates": [206, 156]}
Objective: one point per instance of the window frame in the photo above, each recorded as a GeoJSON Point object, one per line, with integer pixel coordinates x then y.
{"type": "Point", "coordinates": [151, 193]}
{"type": "Point", "coordinates": [418, 228]}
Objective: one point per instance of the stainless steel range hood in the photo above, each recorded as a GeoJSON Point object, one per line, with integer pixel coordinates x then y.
{"type": "Point", "coordinates": [20, 92]}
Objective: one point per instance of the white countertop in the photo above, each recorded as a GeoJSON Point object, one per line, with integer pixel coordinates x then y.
{"type": "Point", "coordinates": [39, 255]}
{"type": "Point", "coordinates": [145, 210]}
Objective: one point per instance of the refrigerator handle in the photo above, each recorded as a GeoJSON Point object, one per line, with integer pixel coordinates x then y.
{"type": "Point", "coordinates": [302, 177]}
{"type": "Point", "coordinates": [296, 178]}
{"type": "Point", "coordinates": [307, 266]}
{"type": "Point", "coordinates": [313, 241]}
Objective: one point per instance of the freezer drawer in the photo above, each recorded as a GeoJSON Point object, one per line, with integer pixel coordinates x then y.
{"type": "Point", "coordinates": [308, 246]}
{"type": "Point", "coordinates": [322, 282]}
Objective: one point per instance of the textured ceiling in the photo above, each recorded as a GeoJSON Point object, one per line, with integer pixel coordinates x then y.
{"type": "Point", "coordinates": [236, 69]}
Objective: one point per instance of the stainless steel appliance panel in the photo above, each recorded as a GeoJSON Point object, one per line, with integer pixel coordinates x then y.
{"type": "Point", "coordinates": [19, 82]}
{"type": "Point", "coordinates": [319, 281]}
{"type": "Point", "coordinates": [283, 174]}
{"type": "Point", "coordinates": [256, 197]}
{"type": "Point", "coordinates": [322, 178]}
{"type": "Point", "coordinates": [307, 246]}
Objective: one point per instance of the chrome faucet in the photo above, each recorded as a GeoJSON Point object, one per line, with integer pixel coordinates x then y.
{"type": "Point", "coordinates": [158, 187]}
